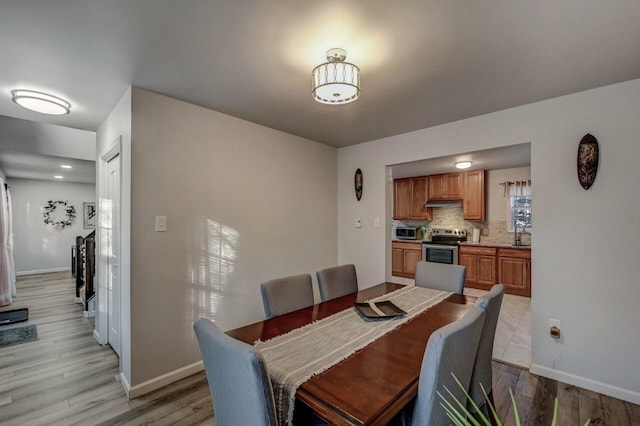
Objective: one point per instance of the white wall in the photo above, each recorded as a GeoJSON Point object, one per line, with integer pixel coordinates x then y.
{"type": "Point", "coordinates": [117, 127]}
{"type": "Point", "coordinates": [496, 202]}
{"type": "Point", "coordinates": [585, 256]}
{"type": "Point", "coordinates": [39, 248]}
{"type": "Point", "coordinates": [245, 203]}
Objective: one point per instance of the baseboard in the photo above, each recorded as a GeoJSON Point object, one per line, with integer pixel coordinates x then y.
{"type": "Point", "coordinates": [125, 384]}
{"type": "Point", "coordinates": [42, 271]}
{"type": "Point", "coordinates": [165, 379]}
{"type": "Point", "coordinates": [583, 382]}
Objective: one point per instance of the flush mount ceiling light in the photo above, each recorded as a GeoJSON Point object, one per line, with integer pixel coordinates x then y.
{"type": "Point", "coordinates": [59, 177]}
{"type": "Point", "coordinates": [336, 82]}
{"type": "Point", "coordinates": [463, 164]}
{"type": "Point", "coordinates": [66, 166]}
{"type": "Point", "coordinates": [40, 102]}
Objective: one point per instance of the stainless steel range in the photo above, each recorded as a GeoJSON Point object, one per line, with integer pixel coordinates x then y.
{"type": "Point", "coordinates": [443, 246]}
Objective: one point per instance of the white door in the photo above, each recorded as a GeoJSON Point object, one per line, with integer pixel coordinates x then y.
{"type": "Point", "coordinates": [112, 237]}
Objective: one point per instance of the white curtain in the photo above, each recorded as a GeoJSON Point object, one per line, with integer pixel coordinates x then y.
{"type": "Point", "coordinates": [6, 293]}
{"type": "Point", "coordinates": [521, 188]}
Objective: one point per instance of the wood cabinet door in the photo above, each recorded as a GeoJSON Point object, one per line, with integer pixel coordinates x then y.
{"type": "Point", "coordinates": [436, 187]}
{"type": "Point", "coordinates": [486, 270]}
{"type": "Point", "coordinates": [397, 263]}
{"type": "Point", "coordinates": [411, 259]}
{"type": "Point", "coordinates": [474, 195]}
{"type": "Point", "coordinates": [453, 185]}
{"type": "Point", "coordinates": [470, 261]}
{"type": "Point", "coordinates": [514, 274]}
{"type": "Point", "coordinates": [402, 198]}
{"type": "Point", "coordinates": [418, 198]}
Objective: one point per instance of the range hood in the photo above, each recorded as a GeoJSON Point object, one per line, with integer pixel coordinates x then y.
{"type": "Point", "coordinates": [444, 203]}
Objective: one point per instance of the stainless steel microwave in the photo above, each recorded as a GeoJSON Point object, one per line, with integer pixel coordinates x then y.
{"type": "Point", "coordinates": [406, 233]}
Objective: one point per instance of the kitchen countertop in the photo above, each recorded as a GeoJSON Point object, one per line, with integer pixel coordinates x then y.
{"type": "Point", "coordinates": [497, 245]}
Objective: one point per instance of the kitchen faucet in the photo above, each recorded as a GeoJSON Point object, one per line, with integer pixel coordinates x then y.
{"type": "Point", "coordinates": [517, 236]}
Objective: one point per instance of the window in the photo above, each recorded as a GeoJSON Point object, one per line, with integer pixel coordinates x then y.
{"type": "Point", "coordinates": [520, 211]}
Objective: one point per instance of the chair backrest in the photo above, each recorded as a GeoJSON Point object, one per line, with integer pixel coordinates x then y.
{"type": "Point", "coordinates": [284, 295]}
{"type": "Point", "coordinates": [337, 281]}
{"type": "Point", "coordinates": [482, 370]}
{"type": "Point", "coordinates": [451, 349]}
{"type": "Point", "coordinates": [441, 276]}
{"type": "Point", "coordinates": [240, 386]}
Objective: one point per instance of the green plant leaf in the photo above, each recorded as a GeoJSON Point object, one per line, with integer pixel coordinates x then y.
{"type": "Point", "coordinates": [516, 415]}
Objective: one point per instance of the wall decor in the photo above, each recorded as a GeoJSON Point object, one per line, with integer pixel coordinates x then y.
{"type": "Point", "coordinates": [59, 214]}
{"type": "Point", "coordinates": [588, 153]}
{"type": "Point", "coordinates": [89, 215]}
{"type": "Point", "coordinates": [357, 183]}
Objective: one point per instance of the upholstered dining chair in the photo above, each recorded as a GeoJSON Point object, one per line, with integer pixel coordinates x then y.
{"type": "Point", "coordinates": [482, 369]}
{"type": "Point", "coordinates": [284, 295]}
{"type": "Point", "coordinates": [450, 349]}
{"type": "Point", "coordinates": [441, 276]}
{"type": "Point", "coordinates": [240, 387]}
{"type": "Point", "coordinates": [337, 281]}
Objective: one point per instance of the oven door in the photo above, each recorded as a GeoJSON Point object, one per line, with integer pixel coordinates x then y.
{"type": "Point", "coordinates": [440, 253]}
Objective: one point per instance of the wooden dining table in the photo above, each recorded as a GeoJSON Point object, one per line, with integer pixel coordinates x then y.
{"type": "Point", "coordinates": [374, 384]}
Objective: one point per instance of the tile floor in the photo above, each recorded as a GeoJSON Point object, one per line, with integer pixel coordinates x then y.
{"type": "Point", "coordinates": [513, 333]}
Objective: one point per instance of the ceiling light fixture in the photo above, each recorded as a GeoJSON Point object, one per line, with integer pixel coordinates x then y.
{"type": "Point", "coordinates": [59, 177]}
{"type": "Point", "coordinates": [336, 82]}
{"type": "Point", "coordinates": [40, 102]}
{"type": "Point", "coordinates": [66, 166]}
{"type": "Point", "coordinates": [463, 164]}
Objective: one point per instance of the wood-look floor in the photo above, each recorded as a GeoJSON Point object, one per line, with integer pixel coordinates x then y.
{"type": "Point", "coordinates": [66, 378]}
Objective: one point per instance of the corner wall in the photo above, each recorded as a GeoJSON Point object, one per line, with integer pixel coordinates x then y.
{"type": "Point", "coordinates": [244, 203]}
{"type": "Point", "coordinates": [584, 270]}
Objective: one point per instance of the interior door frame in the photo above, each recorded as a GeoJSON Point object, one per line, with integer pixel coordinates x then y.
{"type": "Point", "coordinates": [101, 331]}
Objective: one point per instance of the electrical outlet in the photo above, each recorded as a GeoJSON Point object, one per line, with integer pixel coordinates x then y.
{"type": "Point", "coordinates": [485, 231]}
{"type": "Point", "coordinates": [161, 224]}
{"type": "Point", "coordinates": [358, 222]}
{"type": "Point", "coordinates": [554, 328]}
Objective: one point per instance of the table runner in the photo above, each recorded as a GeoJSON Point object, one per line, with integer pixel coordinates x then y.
{"type": "Point", "coordinates": [295, 357]}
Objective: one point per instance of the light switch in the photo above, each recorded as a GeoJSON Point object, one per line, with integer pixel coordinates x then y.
{"type": "Point", "coordinates": [161, 224]}
{"type": "Point", "coordinates": [376, 222]}
{"type": "Point", "coordinates": [358, 222]}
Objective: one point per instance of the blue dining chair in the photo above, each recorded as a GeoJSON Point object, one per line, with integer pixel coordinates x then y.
{"type": "Point", "coordinates": [441, 276]}
{"type": "Point", "coordinates": [450, 350]}
{"type": "Point", "coordinates": [240, 387]}
{"type": "Point", "coordinates": [284, 295]}
{"type": "Point", "coordinates": [337, 281]}
{"type": "Point", "coordinates": [482, 369]}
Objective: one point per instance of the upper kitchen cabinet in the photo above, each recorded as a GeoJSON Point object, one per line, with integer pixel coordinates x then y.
{"type": "Point", "coordinates": [409, 198]}
{"type": "Point", "coordinates": [445, 187]}
{"type": "Point", "coordinates": [473, 207]}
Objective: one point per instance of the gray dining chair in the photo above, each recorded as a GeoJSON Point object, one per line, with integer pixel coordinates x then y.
{"type": "Point", "coordinates": [482, 369]}
{"type": "Point", "coordinates": [337, 281]}
{"type": "Point", "coordinates": [441, 276]}
{"type": "Point", "coordinates": [240, 387]}
{"type": "Point", "coordinates": [284, 295]}
{"type": "Point", "coordinates": [450, 349]}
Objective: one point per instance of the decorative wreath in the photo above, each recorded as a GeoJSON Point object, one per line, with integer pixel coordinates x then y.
{"type": "Point", "coordinates": [50, 208]}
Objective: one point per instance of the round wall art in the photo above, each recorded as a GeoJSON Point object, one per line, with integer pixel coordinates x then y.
{"type": "Point", "coordinates": [59, 214]}
{"type": "Point", "coordinates": [588, 153]}
{"type": "Point", "coordinates": [357, 183]}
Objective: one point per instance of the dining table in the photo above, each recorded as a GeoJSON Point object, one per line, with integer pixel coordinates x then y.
{"type": "Point", "coordinates": [371, 386]}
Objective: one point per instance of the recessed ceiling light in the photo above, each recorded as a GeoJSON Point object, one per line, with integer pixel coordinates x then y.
{"type": "Point", "coordinates": [463, 164]}
{"type": "Point", "coordinates": [40, 102]}
{"type": "Point", "coordinates": [59, 177]}
{"type": "Point", "coordinates": [66, 166]}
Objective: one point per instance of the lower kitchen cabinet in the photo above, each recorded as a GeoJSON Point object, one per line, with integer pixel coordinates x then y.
{"type": "Point", "coordinates": [481, 266]}
{"type": "Point", "coordinates": [514, 266]}
{"type": "Point", "coordinates": [404, 257]}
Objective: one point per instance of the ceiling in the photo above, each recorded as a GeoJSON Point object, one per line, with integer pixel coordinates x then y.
{"type": "Point", "coordinates": [423, 62]}
{"type": "Point", "coordinates": [24, 165]}
{"type": "Point", "coordinates": [489, 159]}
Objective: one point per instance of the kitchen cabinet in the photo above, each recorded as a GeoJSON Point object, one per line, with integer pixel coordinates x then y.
{"type": "Point", "coordinates": [481, 266]}
{"type": "Point", "coordinates": [409, 198]}
{"type": "Point", "coordinates": [404, 257]}
{"type": "Point", "coordinates": [514, 270]}
{"type": "Point", "coordinates": [473, 205]}
{"type": "Point", "coordinates": [445, 187]}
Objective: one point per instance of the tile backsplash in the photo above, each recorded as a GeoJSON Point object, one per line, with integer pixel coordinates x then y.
{"type": "Point", "coordinates": [451, 218]}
